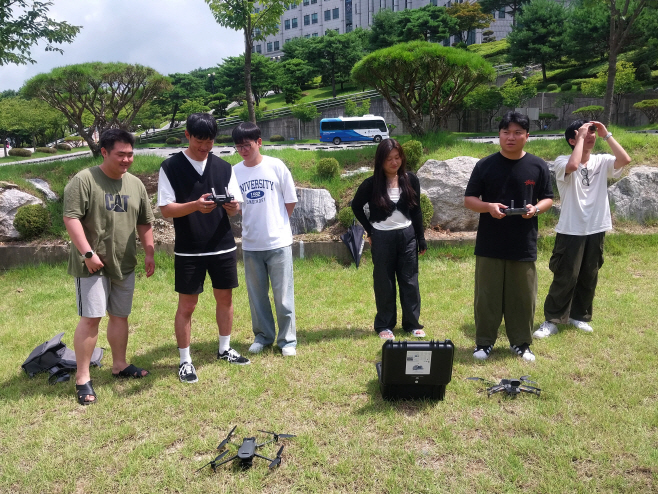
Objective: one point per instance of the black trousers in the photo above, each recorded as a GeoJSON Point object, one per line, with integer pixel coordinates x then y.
{"type": "Point", "coordinates": [575, 264]}
{"type": "Point", "coordinates": [395, 254]}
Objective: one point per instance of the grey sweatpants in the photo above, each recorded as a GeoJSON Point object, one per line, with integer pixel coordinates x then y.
{"type": "Point", "coordinates": [506, 289]}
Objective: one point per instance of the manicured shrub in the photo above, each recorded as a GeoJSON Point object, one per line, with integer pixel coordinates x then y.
{"type": "Point", "coordinates": [328, 168]}
{"type": "Point", "coordinates": [63, 147]}
{"type": "Point", "coordinates": [46, 150]}
{"type": "Point", "coordinates": [223, 139]}
{"type": "Point", "coordinates": [567, 86]}
{"type": "Point", "coordinates": [650, 108]}
{"type": "Point", "coordinates": [413, 150]}
{"type": "Point", "coordinates": [643, 73]}
{"type": "Point", "coordinates": [31, 220]}
{"type": "Point", "coordinates": [23, 153]}
{"type": "Point", "coordinates": [592, 112]}
{"type": "Point", "coordinates": [551, 87]}
{"type": "Point", "coordinates": [173, 140]}
{"type": "Point", "coordinates": [346, 216]}
{"type": "Point", "coordinates": [427, 209]}
{"type": "Point", "coordinates": [75, 141]}
{"type": "Point", "coordinates": [277, 138]}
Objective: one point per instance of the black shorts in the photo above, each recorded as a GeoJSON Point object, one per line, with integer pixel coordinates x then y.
{"type": "Point", "coordinates": [191, 272]}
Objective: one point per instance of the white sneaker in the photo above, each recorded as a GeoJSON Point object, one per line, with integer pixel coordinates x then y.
{"type": "Point", "coordinates": [482, 352]}
{"type": "Point", "coordinates": [523, 351]}
{"type": "Point", "coordinates": [187, 373]}
{"type": "Point", "coordinates": [546, 329]}
{"type": "Point", "coordinates": [582, 325]}
{"type": "Point", "coordinates": [256, 347]}
{"type": "Point", "coordinates": [289, 351]}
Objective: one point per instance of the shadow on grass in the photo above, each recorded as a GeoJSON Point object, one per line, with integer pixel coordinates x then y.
{"type": "Point", "coordinates": [500, 352]}
{"type": "Point", "coordinates": [378, 405]}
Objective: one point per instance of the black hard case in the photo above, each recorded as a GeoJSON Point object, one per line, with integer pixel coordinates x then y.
{"type": "Point", "coordinates": [396, 383]}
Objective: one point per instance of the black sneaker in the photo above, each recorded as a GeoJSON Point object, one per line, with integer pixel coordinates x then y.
{"type": "Point", "coordinates": [187, 373]}
{"type": "Point", "coordinates": [523, 351]}
{"type": "Point", "coordinates": [482, 352]}
{"type": "Point", "coordinates": [233, 357]}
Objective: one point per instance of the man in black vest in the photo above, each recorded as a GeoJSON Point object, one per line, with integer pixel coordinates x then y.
{"type": "Point", "coordinates": [204, 240]}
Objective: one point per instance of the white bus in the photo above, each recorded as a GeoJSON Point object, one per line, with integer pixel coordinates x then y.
{"type": "Point", "coordinates": [346, 129]}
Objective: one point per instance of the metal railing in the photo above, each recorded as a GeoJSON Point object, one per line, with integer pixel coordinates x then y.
{"type": "Point", "coordinates": [228, 122]}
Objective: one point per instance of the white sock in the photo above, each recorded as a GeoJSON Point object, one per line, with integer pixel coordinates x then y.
{"type": "Point", "coordinates": [224, 343]}
{"type": "Point", "coordinates": [185, 355]}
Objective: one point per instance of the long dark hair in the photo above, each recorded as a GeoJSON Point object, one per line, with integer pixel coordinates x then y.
{"type": "Point", "coordinates": [379, 190]}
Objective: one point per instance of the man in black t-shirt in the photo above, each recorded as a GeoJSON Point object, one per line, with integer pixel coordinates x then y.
{"type": "Point", "coordinates": [506, 244]}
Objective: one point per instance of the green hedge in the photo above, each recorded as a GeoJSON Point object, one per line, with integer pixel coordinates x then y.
{"type": "Point", "coordinates": [552, 87]}
{"type": "Point", "coordinates": [567, 86]}
{"type": "Point", "coordinates": [328, 168]}
{"type": "Point", "coordinates": [413, 151]}
{"type": "Point", "coordinates": [31, 220]}
{"type": "Point", "coordinates": [427, 209]}
{"type": "Point", "coordinates": [173, 140]}
{"type": "Point", "coordinates": [277, 138]}
{"type": "Point", "coordinates": [23, 153]}
{"type": "Point", "coordinates": [223, 139]}
{"type": "Point", "coordinates": [46, 150]}
{"type": "Point", "coordinates": [64, 147]}
{"type": "Point", "coordinates": [346, 216]}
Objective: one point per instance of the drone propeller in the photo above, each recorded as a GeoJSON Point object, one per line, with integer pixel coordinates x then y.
{"type": "Point", "coordinates": [213, 463]}
{"type": "Point", "coordinates": [527, 380]}
{"type": "Point", "coordinates": [480, 379]}
{"type": "Point", "coordinates": [277, 436]}
{"type": "Point", "coordinates": [228, 438]}
{"type": "Point", "coordinates": [277, 461]}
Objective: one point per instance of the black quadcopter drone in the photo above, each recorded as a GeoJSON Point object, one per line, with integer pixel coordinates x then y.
{"type": "Point", "coordinates": [511, 387]}
{"type": "Point", "coordinates": [247, 451]}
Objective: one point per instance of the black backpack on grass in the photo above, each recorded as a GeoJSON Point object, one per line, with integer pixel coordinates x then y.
{"type": "Point", "coordinates": [54, 356]}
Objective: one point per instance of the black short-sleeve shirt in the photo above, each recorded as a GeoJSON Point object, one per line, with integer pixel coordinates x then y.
{"type": "Point", "coordinates": [499, 179]}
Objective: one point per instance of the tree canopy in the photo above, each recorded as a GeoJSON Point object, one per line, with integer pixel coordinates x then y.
{"type": "Point", "coordinates": [469, 16]}
{"type": "Point", "coordinates": [110, 94]}
{"type": "Point", "coordinates": [511, 7]}
{"type": "Point", "coordinates": [23, 24]}
{"type": "Point", "coordinates": [419, 77]}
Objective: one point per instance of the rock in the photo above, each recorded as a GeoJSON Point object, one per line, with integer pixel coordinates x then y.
{"type": "Point", "coordinates": [444, 182]}
{"type": "Point", "coordinates": [358, 171]}
{"type": "Point", "coordinates": [43, 186]}
{"type": "Point", "coordinates": [314, 210]}
{"type": "Point", "coordinates": [10, 201]}
{"type": "Point", "coordinates": [7, 185]}
{"type": "Point", "coordinates": [636, 195]}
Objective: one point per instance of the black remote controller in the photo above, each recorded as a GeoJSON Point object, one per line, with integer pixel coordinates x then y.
{"type": "Point", "coordinates": [220, 199]}
{"type": "Point", "coordinates": [511, 211]}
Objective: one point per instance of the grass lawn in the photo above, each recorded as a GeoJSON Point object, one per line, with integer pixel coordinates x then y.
{"type": "Point", "coordinates": [11, 159]}
{"type": "Point", "coordinates": [594, 429]}
{"type": "Point", "coordinates": [277, 101]}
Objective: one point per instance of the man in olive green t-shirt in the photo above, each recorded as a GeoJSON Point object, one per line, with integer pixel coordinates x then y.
{"type": "Point", "coordinates": [103, 208]}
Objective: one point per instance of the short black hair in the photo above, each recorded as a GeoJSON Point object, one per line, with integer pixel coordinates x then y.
{"type": "Point", "coordinates": [202, 126]}
{"type": "Point", "coordinates": [246, 131]}
{"type": "Point", "coordinates": [517, 118]}
{"type": "Point", "coordinates": [110, 137]}
{"type": "Point", "coordinates": [571, 131]}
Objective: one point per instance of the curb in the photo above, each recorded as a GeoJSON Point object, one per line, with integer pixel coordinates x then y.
{"type": "Point", "coordinates": [14, 256]}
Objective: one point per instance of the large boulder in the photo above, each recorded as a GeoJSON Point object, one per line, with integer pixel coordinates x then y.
{"type": "Point", "coordinates": [636, 195]}
{"type": "Point", "coordinates": [444, 182]}
{"type": "Point", "coordinates": [314, 210]}
{"type": "Point", "coordinates": [43, 186]}
{"type": "Point", "coordinates": [10, 201]}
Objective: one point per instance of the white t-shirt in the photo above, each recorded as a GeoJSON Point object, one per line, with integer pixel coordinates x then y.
{"type": "Point", "coordinates": [397, 220]}
{"type": "Point", "coordinates": [166, 194]}
{"type": "Point", "coordinates": [267, 188]}
{"type": "Point", "coordinates": [585, 208]}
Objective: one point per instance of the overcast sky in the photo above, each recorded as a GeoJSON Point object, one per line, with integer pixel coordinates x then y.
{"type": "Point", "coordinates": [167, 35]}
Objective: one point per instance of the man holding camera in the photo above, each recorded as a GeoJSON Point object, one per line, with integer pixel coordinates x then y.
{"type": "Point", "coordinates": [582, 181]}
{"type": "Point", "coordinates": [506, 243]}
{"type": "Point", "coordinates": [187, 188]}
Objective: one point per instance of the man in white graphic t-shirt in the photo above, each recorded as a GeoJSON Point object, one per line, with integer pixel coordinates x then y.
{"type": "Point", "coordinates": [582, 180]}
{"type": "Point", "coordinates": [269, 199]}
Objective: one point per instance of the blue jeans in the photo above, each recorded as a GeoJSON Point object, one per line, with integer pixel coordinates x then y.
{"type": "Point", "coordinates": [261, 268]}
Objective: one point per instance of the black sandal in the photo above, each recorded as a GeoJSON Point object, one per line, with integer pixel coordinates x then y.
{"type": "Point", "coordinates": [83, 391]}
{"type": "Point", "coordinates": [130, 371]}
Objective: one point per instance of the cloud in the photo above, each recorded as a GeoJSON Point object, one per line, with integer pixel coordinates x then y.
{"type": "Point", "coordinates": [167, 35]}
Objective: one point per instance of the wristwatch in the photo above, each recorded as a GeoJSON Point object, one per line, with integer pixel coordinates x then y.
{"type": "Point", "coordinates": [89, 255]}
{"type": "Point", "coordinates": [537, 211]}
{"type": "Point", "coordinates": [608, 136]}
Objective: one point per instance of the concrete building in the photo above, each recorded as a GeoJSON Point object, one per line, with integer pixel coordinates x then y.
{"type": "Point", "coordinates": [311, 18]}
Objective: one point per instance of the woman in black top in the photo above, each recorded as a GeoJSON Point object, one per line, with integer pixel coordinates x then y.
{"type": "Point", "coordinates": [396, 235]}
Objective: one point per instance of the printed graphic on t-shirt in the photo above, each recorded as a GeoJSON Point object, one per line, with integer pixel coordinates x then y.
{"type": "Point", "coordinates": [118, 203]}
{"type": "Point", "coordinates": [254, 190]}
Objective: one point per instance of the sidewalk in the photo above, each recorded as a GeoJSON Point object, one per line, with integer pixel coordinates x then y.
{"type": "Point", "coordinates": [46, 159]}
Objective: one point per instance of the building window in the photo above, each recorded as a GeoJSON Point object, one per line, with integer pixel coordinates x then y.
{"type": "Point", "coordinates": [286, 23]}
{"type": "Point", "coordinates": [327, 15]}
{"type": "Point", "coordinates": [315, 35]}
{"type": "Point", "coordinates": [276, 46]}
{"type": "Point", "coordinates": [256, 10]}
{"type": "Point", "coordinates": [314, 1]}
{"type": "Point", "coordinates": [336, 13]}
{"type": "Point", "coordinates": [269, 47]}
{"type": "Point", "coordinates": [501, 13]}
{"type": "Point", "coordinates": [307, 35]}
{"type": "Point", "coordinates": [286, 41]}
{"type": "Point", "coordinates": [305, 2]}
{"type": "Point", "coordinates": [446, 42]}
{"type": "Point", "coordinates": [256, 32]}
{"type": "Point", "coordinates": [314, 18]}
{"type": "Point", "coordinates": [294, 22]}
{"type": "Point", "coordinates": [307, 20]}
{"type": "Point", "coordinates": [434, 2]}
{"type": "Point", "coordinates": [253, 49]}
{"type": "Point", "coordinates": [258, 49]}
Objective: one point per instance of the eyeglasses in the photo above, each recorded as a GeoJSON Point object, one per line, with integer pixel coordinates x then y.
{"type": "Point", "coordinates": [585, 173]}
{"type": "Point", "coordinates": [243, 147]}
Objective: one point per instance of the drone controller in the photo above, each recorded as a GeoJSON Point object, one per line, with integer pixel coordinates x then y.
{"type": "Point", "coordinates": [512, 211]}
{"type": "Point", "coordinates": [220, 199]}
